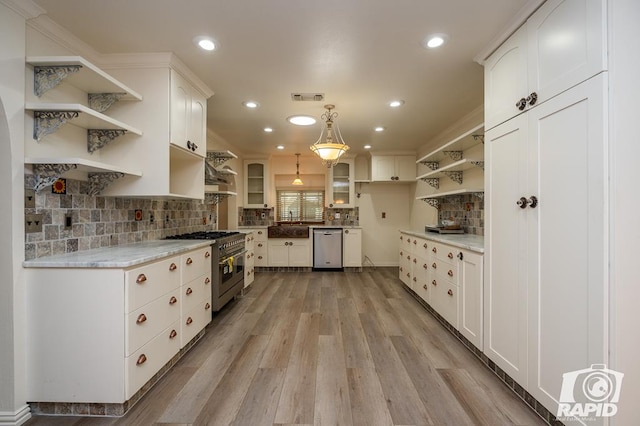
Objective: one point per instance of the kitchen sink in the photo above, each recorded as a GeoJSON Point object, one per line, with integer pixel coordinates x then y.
{"type": "Point", "coordinates": [288, 231]}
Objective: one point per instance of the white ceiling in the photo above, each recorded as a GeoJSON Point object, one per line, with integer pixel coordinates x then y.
{"type": "Point", "coordinates": [360, 53]}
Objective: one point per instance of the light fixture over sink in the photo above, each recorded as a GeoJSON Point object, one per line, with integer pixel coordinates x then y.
{"type": "Point", "coordinates": [297, 180]}
{"type": "Point", "coordinates": [330, 146]}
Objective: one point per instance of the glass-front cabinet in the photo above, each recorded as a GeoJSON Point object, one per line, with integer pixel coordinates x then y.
{"type": "Point", "coordinates": [340, 188]}
{"type": "Point", "coordinates": [256, 184]}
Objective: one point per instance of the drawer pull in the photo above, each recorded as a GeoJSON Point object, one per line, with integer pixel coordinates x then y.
{"type": "Point", "coordinates": [189, 321]}
{"type": "Point", "coordinates": [424, 266]}
{"type": "Point", "coordinates": [415, 241]}
{"type": "Point", "coordinates": [207, 280]}
{"type": "Point", "coordinates": [434, 266]}
{"type": "Point", "coordinates": [173, 267]}
{"type": "Point", "coordinates": [401, 253]}
{"type": "Point", "coordinates": [400, 237]}
{"type": "Point", "coordinates": [259, 232]}
{"type": "Point", "coordinates": [450, 292]}
{"type": "Point", "coordinates": [259, 257]}
{"type": "Point", "coordinates": [435, 250]}
{"type": "Point", "coordinates": [408, 275]}
{"type": "Point", "coordinates": [173, 300]}
{"type": "Point", "coordinates": [434, 282]}
{"type": "Point", "coordinates": [425, 287]}
{"type": "Point", "coordinates": [207, 255]}
{"type": "Point", "coordinates": [424, 245]}
{"type": "Point", "coordinates": [172, 334]}
{"type": "Point", "coordinates": [401, 269]}
{"type": "Point", "coordinates": [141, 359]}
{"type": "Point", "coordinates": [189, 291]}
{"type": "Point", "coordinates": [141, 278]}
{"type": "Point", "coordinates": [141, 318]}
{"type": "Point", "coordinates": [408, 257]}
{"type": "Point", "coordinates": [189, 261]}
{"type": "Point", "coordinates": [207, 306]}
{"type": "Point", "coordinates": [259, 244]}
{"type": "Point", "coordinates": [415, 279]}
{"type": "Point", "coordinates": [251, 254]}
{"type": "Point", "coordinates": [450, 255]}
{"type": "Point", "coordinates": [450, 273]}
{"type": "Point", "coordinates": [414, 260]}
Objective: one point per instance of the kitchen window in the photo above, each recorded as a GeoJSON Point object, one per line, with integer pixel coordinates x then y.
{"type": "Point", "coordinates": [307, 206]}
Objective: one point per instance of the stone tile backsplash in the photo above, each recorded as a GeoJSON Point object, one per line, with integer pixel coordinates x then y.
{"type": "Point", "coordinates": [342, 217]}
{"type": "Point", "coordinates": [467, 210]}
{"type": "Point", "coordinates": [108, 221]}
{"type": "Point", "coordinates": [255, 217]}
{"type": "Point", "coordinates": [266, 217]}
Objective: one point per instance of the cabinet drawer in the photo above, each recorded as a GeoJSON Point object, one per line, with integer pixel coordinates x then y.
{"type": "Point", "coordinates": [195, 292]}
{"type": "Point", "coordinates": [422, 247]}
{"type": "Point", "coordinates": [146, 361]}
{"type": "Point", "coordinates": [445, 270]}
{"type": "Point", "coordinates": [444, 299]}
{"type": "Point", "coordinates": [148, 282]}
{"type": "Point", "coordinates": [443, 252]}
{"type": "Point", "coordinates": [146, 322]}
{"type": "Point", "coordinates": [195, 320]}
{"type": "Point", "coordinates": [195, 263]}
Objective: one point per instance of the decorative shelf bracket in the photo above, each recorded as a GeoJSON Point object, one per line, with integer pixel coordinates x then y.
{"type": "Point", "coordinates": [433, 165]}
{"type": "Point", "coordinates": [47, 122]}
{"type": "Point", "coordinates": [99, 181]}
{"type": "Point", "coordinates": [46, 78]}
{"type": "Point", "coordinates": [433, 182]}
{"type": "Point", "coordinates": [433, 202]}
{"type": "Point", "coordinates": [102, 101]}
{"type": "Point", "coordinates": [479, 195]}
{"type": "Point", "coordinates": [217, 158]}
{"type": "Point", "coordinates": [212, 198]}
{"type": "Point", "coordinates": [98, 138]}
{"type": "Point", "coordinates": [47, 174]}
{"type": "Point", "coordinates": [454, 155]}
{"type": "Point", "coordinates": [478, 164]}
{"type": "Point", "coordinates": [478, 137]}
{"type": "Point", "coordinates": [454, 176]}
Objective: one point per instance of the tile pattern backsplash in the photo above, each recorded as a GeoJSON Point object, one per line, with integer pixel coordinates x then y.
{"type": "Point", "coordinates": [266, 217]}
{"type": "Point", "coordinates": [342, 217]}
{"type": "Point", "coordinates": [467, 210]}
{"type": "Point", "coordinates": [107, 221]}
{"type": "Point", "coordinates": [255, 217]}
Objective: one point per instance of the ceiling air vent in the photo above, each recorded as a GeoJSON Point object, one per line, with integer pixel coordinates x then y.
{"type": "Point", "coordinates": [307, 97]}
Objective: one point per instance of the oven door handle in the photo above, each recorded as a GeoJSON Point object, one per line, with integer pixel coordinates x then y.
{"type": "Point", "coordinates": [240, 253]}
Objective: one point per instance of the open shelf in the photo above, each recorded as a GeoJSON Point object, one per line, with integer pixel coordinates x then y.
{"type": "Point", "coordinates": [452, 193]}
{"type": "Point", "coordinates": [463, 142]}
{"type": "Point", "coordinates": [82, 165]}
{"type": "Point", "coordinates": [458, 166]}
{"type": "Point", "coordinates": [89, 78]}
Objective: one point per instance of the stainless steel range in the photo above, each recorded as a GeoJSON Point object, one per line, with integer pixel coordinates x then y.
{"type": "Point", "coordinates": [227, 263]}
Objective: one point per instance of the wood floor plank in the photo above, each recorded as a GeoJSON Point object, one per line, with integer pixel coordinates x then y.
{"type": "Point", "coordinates": [354, 342]}
{"type": "Point", "coordinates": [387, 316]}
{"type": "Point", "coordinates": [278, 350]}
{"type": "Point", "coordinates": [259, 405]}
{"type": "Point", "coordinates": [261, 303]}
{"type": "Point", "coordinates": [224, 403]}
{"type": "Point", "coordinates": [332, 404]}
{"type": "Point", "coordinates": [359, 293]}
{"type": "Point", "coordinates": [440, 402]}
{"type": "Point", "coordinates": [299, 289]}
{"type": "Point", "coordinates": [297, 400]}
{"type": "Point", "coordinates": [368, 403]}
{"type": "Point", "coordinates": [403, 401]}
{"type": "Point", "coordinates": [342, 287]}
{"type": "Point", "coordinates": [312, 296]}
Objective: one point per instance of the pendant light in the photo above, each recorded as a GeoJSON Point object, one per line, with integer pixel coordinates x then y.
{"type": "Point", "coordinates": [297, 180]}
{"type": "Point", "coordinates": [330, 146]}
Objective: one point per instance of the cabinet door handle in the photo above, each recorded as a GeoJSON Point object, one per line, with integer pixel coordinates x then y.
{"type": "Point", "coordinates": [532, 98]}
{"type": "Point", "coordinates": [450, 273]}
{"type": "Point", "coordinates": [207, 255]}
{"type": "Point", "coordinates": [173, 334]}
{"type": "Point", "coordinates": [173, 300]}
{"type": "Point", "coordinates": [450, 255]}
{"type": "Point", "coordinates": [522, 203]}
{"type": "Point", "coordinates": [532, 201]}
{"type": "Point", "coordinates": [434, 282]}
{"type": "Point", "coordinates": [141, 278]}
{"type": "Point", "coordinates": [189, 261]}
{"type": "Point", "coordinates": [401, 253]}
{"type": "Point", "coordinates": [259, 232]}
{"type": "Point", "coordinates": [346, 231]}
{"type": "Point", "coordinates": [173, 267]}
{"type": "Point", "coordinates": [450, 292]}
{"type": "Point", "coordinates": [260, 257]}
{"type": "Point", "coordinates": [207, 280]}
{"type": "Point", "coordinates": [141, 318]}
{"type": "Point", "coordinates": [189, 320]}
{"type": "Point", "coordinates": [141, 359]}
{"type": "Point", "coordinates": [207, 306]}
{"type": "Point", "coordinates": [400, 237]}
{"type": "Point", "coordinates": [521, 104]}
{"type": "Point", "coordinates": [189, 291]}
{"type": "Point", "coordinates": [259, 244]}
{"type": "Point", "coordinates": [460, 256]}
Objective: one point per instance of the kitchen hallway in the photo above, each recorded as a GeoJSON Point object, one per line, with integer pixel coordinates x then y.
{"type": "Point", "coordinates": [322, 348]}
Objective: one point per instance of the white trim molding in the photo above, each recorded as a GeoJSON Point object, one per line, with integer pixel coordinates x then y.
{"type": "Point", "coordinates": [15, 419]}
{"type": "Point", "coordinates": [25, 8]}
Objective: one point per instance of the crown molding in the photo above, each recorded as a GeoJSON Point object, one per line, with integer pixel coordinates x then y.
{"type": "Point", "coordinates": [25, 8]}
{"type": "Point", "coordinates": [516, 22]}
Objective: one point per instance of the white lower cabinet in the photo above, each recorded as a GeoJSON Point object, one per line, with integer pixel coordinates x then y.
{"type": "Point", "coordinates": [249, 259]}
{"type": "Point", "coordinates": [352, 248]}
{"type": "Point", "coordinates": [289, 252]}
{"type": "Point", "coordinates": [97, 335]}
{"type": "Point", "coordinates": [449, 279]}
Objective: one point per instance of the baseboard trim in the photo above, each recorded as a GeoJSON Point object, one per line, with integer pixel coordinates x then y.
{"type": "Point", "coordinates": [17, 418]}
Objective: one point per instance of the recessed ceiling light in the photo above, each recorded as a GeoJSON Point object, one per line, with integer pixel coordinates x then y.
{"type": "Point", "coordinates": [281, 147]}
{"type": "Point", "coordinates": [251, 104]}
{"type": "Point", "coordinates": [436, 40]}
{"type": "Point", "coordinates": [268, 129]}
{"type": "Point", "coordinates": [205, 42]}
{"type": "Point", "coordinates": [379, 129]}
{"type": "Point", "coordinates": [301, 120]}
{"type": "Point", "coordinates": [396, 104]}
{"type": "Point", "coordinates": [367, 147]}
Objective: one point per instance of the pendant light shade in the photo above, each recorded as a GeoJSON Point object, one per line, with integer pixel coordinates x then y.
{"type": "Point", "coordinates": [297, 180]}
{"type": "Point", "coordinates": [330, 146]}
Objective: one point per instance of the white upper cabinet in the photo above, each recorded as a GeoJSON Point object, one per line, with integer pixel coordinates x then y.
{"type": "Point", "coordinates": [559, 46]}
{"type": "Point", "coordinates": [340, 190]}
{"type": "Point", "coordinates": [188, 116]}
{"type": "Point", "coordinates": [256, 184]}
{"type": "Point", "coordinates": [393, 168]}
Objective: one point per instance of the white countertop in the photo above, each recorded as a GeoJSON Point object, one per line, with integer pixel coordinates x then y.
{"type": "Point", "coordinates": [121, 256]}
{"type": "Point", "coordinates": [465, 241]}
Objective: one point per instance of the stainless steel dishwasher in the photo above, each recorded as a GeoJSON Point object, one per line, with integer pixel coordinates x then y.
{"type": "Point", "coordinates": [327, 248]}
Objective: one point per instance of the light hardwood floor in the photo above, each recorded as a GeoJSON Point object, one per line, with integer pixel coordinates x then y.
{"type": "Point", "coordinates": [324, 348]}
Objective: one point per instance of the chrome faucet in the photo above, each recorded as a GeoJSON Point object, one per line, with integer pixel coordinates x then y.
{"type": "Point", "coordinates": [290, 217]}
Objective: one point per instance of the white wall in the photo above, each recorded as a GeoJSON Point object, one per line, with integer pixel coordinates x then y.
{"type": "Point", "coordinates": [13, 408]}
{"type": "Point", "coordinates": [625, 232]}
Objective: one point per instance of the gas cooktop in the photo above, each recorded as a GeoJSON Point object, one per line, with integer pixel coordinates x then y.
{"type": "Point", "coordinates": [203, 235]}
